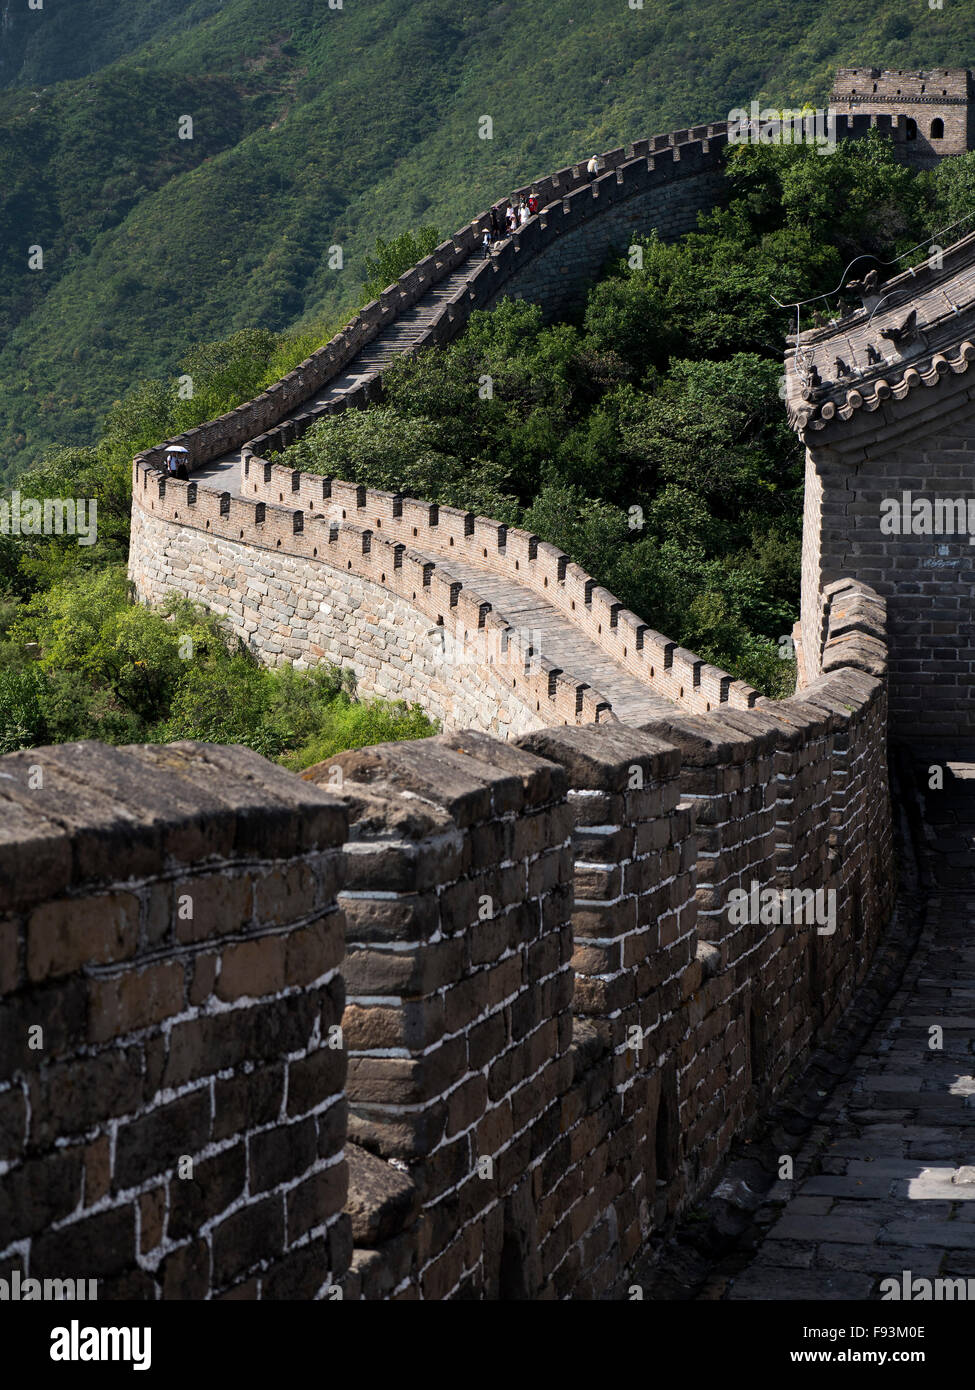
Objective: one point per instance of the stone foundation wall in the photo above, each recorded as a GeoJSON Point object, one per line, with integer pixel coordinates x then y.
{"type": "Point", "coordinates": [307, 612]}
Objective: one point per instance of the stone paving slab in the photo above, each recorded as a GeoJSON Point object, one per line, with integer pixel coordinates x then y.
{"type": "Point", "coordinates": [892, 1184]}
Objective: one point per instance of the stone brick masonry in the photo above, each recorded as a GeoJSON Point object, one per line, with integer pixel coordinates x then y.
{"type": "Point", "coordinates": [173, 1118]}
{"type": "Point", "coordinates": [456, 1018]}
{"type": "Point", "coordinates": [899, 427]}
{"type": "Point", "coordinates": [291, 608]}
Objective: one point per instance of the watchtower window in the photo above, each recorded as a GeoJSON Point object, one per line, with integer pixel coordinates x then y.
{"type": "Point", "coordinates": [937, 129]}
{"type": "Point", "coordinates": [911, 128]}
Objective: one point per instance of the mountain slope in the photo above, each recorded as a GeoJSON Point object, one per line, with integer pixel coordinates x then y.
{"type": "Point", "coordinates": [315, 128]}
{"type": "Point", "coordinates": [73, 38]}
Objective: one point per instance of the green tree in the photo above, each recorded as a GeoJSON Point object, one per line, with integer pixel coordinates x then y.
{"type": "Point", "coordinates": [394, 258]}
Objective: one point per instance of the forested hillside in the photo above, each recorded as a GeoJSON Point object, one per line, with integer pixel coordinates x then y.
{"type": "Point", "coordinates": [317, 127]}
{"type": "Point", "coordinates": [56, 40]}
{"type": "Point", "coordinates": [648, 440]}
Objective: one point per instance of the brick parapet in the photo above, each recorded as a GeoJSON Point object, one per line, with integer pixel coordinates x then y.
{"type": "Point", "coordinates": [479, 636]}
{"type": "Point", "coordinates": [458, 1023]}
{"type": "Point", "coordinates": [554, 1023]}
{"type": "Point", "coordinates": [444, 532]}
{"type": "Point", "coordinates": [684, 1022]}
{"type": "Point", "coordinates": [172, 944]}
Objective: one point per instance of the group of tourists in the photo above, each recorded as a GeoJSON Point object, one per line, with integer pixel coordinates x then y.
{"type": "Point", "coordinates": [176, 460]}
{"type": "Point", "coordinates": [516, 213]}
{"type": "Point", "coordinates": [507, 219]}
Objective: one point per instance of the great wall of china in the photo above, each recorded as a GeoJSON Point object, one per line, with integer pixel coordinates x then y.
{"type": "Point", "coordinates": [466, 1017]}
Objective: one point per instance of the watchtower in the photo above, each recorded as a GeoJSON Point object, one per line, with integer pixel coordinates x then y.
{"type": "Point", "coordinates": [935, 110]}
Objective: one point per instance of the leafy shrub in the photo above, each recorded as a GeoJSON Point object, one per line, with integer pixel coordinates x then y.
{"type": "Point", "coordinates": [110, 669]}
{"type": "Point", "coordinates": [394, 258]}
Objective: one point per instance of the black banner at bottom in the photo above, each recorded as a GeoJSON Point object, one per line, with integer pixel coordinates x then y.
{"type": "Point", "coordinates": [170, 1339]}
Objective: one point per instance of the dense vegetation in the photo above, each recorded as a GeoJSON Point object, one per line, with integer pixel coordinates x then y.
{"type": "Point", "coordinates": [105, 668]}
{"type": "Point", "coordinates": [648, 440]}
{"type": "Point", "coordinates": [78, 659]}
{"type": "Point", "coordinates": [317, 127]}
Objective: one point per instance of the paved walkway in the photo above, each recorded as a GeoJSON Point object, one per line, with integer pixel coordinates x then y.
{"type": "Point", "coordinates": [891, 1181]}
{"type": "Point", "coordinates": [397, 337]}
{"type": "Point", "coordinates": [562, 642]}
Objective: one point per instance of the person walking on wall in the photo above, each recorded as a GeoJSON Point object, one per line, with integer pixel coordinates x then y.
{"type": "Point", "coordinates": [176, 464]}
{"type": "Point", "coordinates": [486, 243]}
{"type": "Point", "coordinates": [497, 226]}
{"type": "Point", "coordinates": [593, 166]}
{"type": "Point", "coordinates": [533, 203]}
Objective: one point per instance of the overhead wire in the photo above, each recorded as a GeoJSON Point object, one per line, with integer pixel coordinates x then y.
{"type": "Point", "coordinates": [864, 256]}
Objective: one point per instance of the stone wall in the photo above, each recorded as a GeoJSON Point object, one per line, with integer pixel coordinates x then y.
{"type": "Point", "coordinates": [685, 1021]}
{"type": "Point", "coordinates": [172, 1117]}
{"type": "Point", "coordinates": [459, 999]}
{"type": "Point", "coordinates": [924, 448]}
{"type": "Point", "coordinates": [570, 198]}
{"type": "Point", "coordinates": [555, 1020]}
{"type": "Point", "coordinates": [335, 576]}
{"type": "Point", "coordinates": [298, 609]}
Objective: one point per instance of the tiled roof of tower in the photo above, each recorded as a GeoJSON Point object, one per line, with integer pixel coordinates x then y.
{"type": "Point", "coordinates": [909, 333]}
